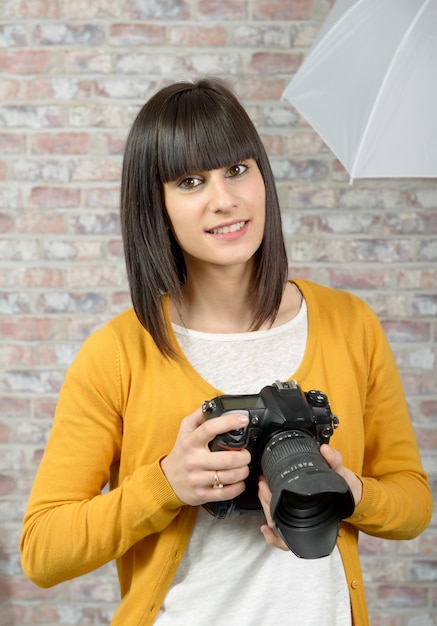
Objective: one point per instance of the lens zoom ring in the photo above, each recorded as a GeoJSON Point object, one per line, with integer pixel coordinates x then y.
{"type": "Point", "coordinates": [282, 447]}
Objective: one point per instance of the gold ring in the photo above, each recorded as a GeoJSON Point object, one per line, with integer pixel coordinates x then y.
{"type": "Point", "coordinates": [217, 484]}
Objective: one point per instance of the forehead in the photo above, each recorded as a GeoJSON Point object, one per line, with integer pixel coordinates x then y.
{"type": "Point", "coordinates": [204, 138]}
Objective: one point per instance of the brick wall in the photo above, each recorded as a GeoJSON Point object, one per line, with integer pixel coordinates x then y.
{"type": "Point", "coordinates": [72, 76]}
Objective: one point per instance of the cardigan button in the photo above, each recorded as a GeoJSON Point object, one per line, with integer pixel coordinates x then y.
{"type": "Point", "coordinates": [355, 584]}
{"type": "Point", "coordinates": [341, 532]}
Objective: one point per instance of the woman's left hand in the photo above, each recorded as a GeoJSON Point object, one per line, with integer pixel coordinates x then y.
{"type": "Point", "coordinates": [269, 528]}
{"type": "Point", "coordinates": [335, 462]}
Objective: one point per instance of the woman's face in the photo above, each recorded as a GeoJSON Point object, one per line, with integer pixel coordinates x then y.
{"type": "Point", "coordinates": [218, 216]}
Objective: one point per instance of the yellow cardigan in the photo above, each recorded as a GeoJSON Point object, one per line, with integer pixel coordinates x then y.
{"type": "Point", "coordinates": [118, 415]}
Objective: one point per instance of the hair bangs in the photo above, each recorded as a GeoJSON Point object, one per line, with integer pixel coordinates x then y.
{"type": "Point", "coordinates": [197, 134]}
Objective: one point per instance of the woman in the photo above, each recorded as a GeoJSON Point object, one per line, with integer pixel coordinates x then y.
{"type": "Point", "coordinates": [214, 313]}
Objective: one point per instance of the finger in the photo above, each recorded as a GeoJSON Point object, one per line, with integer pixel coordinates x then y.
{"type": "Point", "coordinates": [234, 464]}
{"type": "Point", "coordinates": [272, 539]}
{"type": "Point", "coordinates": [335, 462]}
{"type": "Point", "coordinates": [192, 421]}
{"type": "Point", "coordinates": [223, 424]}
{"type": "Point", "coordinates": [265, 497]}
{"type": "Point", "coordinates": [264, 493]}
{"type": "Point", "coordinates": [332, 457]}
{"type": "Point", "coordinates": [230, 476]}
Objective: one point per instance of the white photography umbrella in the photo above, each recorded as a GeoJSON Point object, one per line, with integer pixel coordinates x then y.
{"type": "Point", "coordinates": [368, 87]}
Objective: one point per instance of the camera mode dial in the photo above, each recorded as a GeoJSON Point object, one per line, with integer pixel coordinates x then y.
{"type": "Point", "coordinates": [317, 398]}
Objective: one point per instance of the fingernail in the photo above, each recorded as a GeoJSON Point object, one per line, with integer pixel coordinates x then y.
{"type": "Point", "coordinates": [243, 419]}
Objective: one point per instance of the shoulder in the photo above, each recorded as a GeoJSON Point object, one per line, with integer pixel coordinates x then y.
{"type": "Point", "coordinates": [340, 310]}
{"type": "Point", "coordinates": [119, 339]}
{"type": "Point", "coordinates": [123, 327]}
{"type": "Point", "coordinates": [327, 297]}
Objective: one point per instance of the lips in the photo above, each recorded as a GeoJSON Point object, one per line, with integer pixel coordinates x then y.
{"type": "Point", "coordinates": [230, 228]}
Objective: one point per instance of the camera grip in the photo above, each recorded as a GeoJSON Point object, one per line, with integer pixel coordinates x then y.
{"type": "Point", "coordinates": [233, 439]}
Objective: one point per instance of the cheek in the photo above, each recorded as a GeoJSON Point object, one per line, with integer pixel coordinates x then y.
{"type": "Point", "coordinates": [259, 197]}
{"type": "Point", "coordinates": [179, 224]}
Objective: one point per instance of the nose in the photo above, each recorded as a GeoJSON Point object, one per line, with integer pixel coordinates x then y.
{"type": "Point", "coordinates": [221, 195]}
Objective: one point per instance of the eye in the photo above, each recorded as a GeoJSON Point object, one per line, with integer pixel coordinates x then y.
{"type": "Point", "coordinates": [237, 169]}
{"type": "Point", "coordinates": [190, 182]}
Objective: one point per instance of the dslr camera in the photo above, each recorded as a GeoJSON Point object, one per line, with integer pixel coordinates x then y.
{"type": "Point", "coordinates": [286, 428]}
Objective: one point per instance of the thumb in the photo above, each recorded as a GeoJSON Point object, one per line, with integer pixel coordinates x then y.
{"type": "Point", "coordinates": [192, 421]}
{"type": "Point", "coordinates": [331, 456]}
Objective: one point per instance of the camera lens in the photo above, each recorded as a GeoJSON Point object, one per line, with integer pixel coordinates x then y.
{"type": "Point", "coordinates": [308, 498]}
{"type": "Point", "coordinates": [305, 507]}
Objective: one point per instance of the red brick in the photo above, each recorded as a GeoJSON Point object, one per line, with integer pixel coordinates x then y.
{"type": "Point", "coordinates": [426, 438]}
{"type": "Point", "coordinates": [37, 277]}
{"type": "Point", "coordinates": [45, 9]}
{"type": "Point", "coordinates": [197, 36]}
{"type": "Point", "coordinates": [54, 197]}
{"type": "Point", "coordinates": [25, 590]}
{"type": "Point", "coordinates": [273, 144]}
{"type": "Point", "coordinates": [25, 62]}
{"type": "Point", "coordinates": [115, 144]}
{"type": "Point", "coordinates": [386, 620]}
{"type": "Point", "coordinates": [27, 328]}
{"type": "Point", "coordinates": [411, 278]}
{"type": "Point", "coordinates": [12, 143]}
{"type": "Point", "coordinates": [401, 596]}
{"type": "Point", "coordinates": [273, 62]}
{"type": "Point", "coordinates": [115, 249]}
{"type": "Point", "coordinates": [120, 301]}
{"type": "Point", "coordinates": [223, 9]}
{"type": "Point", "coordinates": [359, 279]}
{"type": "Point", "coordinates": [429, 408]}
{"type": "Point", "coordinates": [39, 223]}
{"type": "Point", "coordinates": [282, 9]}
{"type": "Point", "coordinates": [419, 383]}
{"type": "Point", "coordinates": [7, 483]}
{"type": "Point", "coordinates": [16, 354]}
{"type": "Point", "coordinates": [77, 277]}
{"type": "Point", "coordinates": [60, 143]}
{"type": "Point", "coordinates": [406, 331]}
{"type": "Point", "coordinates": [97, 170]}
{"type": "Point", "coordinates": [13, 89]}
{"type": "Point", "coordinates": [14, 407]}
{"type": "Point", "coordinates": [44, 407]}
{"type": "Point", "coordinates": [255, 88]}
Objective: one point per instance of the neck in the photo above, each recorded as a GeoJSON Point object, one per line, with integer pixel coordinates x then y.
{"type": "Point", "coordinates": [218, 304]}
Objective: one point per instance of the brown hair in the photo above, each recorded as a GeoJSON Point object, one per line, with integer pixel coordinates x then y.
{"type": "Point", "coordinates": [187, 127]}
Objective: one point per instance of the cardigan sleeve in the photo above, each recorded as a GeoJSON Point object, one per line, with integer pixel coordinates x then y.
{"type": "Point", "coordinates": [71, 525]}
{"type": "Point", "coordinates": [396, 502]}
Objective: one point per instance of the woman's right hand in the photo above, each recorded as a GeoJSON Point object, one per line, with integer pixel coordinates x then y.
{"type": "Point", "coordinates": [192, 469]}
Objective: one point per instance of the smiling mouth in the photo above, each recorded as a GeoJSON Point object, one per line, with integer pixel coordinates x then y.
{"type": "Point", "coordinates": [232, 228]}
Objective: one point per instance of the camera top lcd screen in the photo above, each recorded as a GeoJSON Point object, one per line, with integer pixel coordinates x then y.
{"type": "Point", "coordinates": [248, 402]}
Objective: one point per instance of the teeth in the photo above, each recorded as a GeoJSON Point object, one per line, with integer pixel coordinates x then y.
{"type": "Point", "coordinates": [228, 229]}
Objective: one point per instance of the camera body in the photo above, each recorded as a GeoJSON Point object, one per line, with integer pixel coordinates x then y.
{"type": "Point", "coordinates": [285, 430]}
{"type": "Point", "coordinates": [281, 406]}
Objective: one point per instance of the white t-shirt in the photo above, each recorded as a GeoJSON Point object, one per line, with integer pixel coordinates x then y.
{"type": "Point", "coordinates": [229, 575]}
